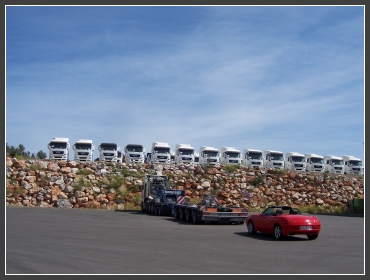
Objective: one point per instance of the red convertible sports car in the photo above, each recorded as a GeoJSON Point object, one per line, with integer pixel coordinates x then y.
{"type": "Point", "coordinates": [282, 221]}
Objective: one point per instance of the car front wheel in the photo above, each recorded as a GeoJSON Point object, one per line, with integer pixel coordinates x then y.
{"type": "Point", "coordinates": [278, 232]}
{"type": "Point", "coordinates": [251, 229]}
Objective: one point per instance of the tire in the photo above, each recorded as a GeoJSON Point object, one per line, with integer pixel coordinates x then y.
{"type": "Point", "coordinates": [187, 216]}
{"type": "Point", "coordinates": [312, 236]}
{"type": "Point", "coordinates": [278, 232]}
{"type": "Point", "coordinates": [194, 217]}
{"type": "Point", "coordinates": [251, 229]}
{"type": "Point", "coordinates": [177, 214]}
{"type": "Point", "coordinates": [156, 210]}
{"type": "Point", "coordinates": [142, 207]}
{"type": "Point", "coordinates": [182, 214]}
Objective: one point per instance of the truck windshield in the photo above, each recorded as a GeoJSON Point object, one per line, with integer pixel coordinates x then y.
{"type": "Point", "coordinates": [211, 154]}
{"type": "Point", "coordinates": [83, 146]}
{"type": "Point", "coordinates": [233, 154]}
{"type": "Point", "coordinates": [58, 145]}
{"type": "Point", "coordinates": [298, 159]}
{"type": "Point", "coordinates": [162, 150]}
{"type": "Point", "coordinates": [317, 160]}
{"type": "Point", "coordinates": [255, 155]}
{"type": "Point", "coordinates": [108, 147]}
{"type": "Point", "coordinates": [337, 162]}
{"type": "Point", "coordinates": [134, 149]}
{"type": "Point", "coordinates": [277, 156]}
{"type": "Point", "coordinates": [186, 152]}
{"type": "Point", "coordinates": [355, 163]}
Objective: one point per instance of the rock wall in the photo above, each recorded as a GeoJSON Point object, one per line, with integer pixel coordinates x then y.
{"type": "Point", "coordinates": [43, 183]}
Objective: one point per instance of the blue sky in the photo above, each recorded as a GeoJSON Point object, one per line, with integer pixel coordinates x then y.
{"type": "Point", "coordinates": [286, 78]}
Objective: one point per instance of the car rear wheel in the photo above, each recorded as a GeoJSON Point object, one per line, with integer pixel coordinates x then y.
{"type": "Point", "coordinates": [278, 232]}
{"type": "Point", "coordinates": [312, 236]}
{"type": "Point", "coordinates": [251, 229]}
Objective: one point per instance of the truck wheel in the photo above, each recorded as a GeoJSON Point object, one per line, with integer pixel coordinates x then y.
{"type": "Point", "coordinates": [182, 214]}
{"type": "Point", "coordinates": [194, 217]}
{"type": "Point", "coordinates": [187, 216]}
{"type": "Point", "coordinates": [142, 207]}
{"type": "Point", "coordinates": [177, 216]}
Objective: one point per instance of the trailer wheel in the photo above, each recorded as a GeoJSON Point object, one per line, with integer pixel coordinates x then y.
{"type": "Point", "coordinates": [194, 217]}
{"type": "Point", "coordinates": [187, 216]}
{"type": "Point", "coordinates": [182, 214]}
{"type": "Point", "coordinates": [177, 216]}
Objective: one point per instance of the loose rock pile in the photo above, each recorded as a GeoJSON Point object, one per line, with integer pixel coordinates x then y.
{"type": "Point", "coordinates": [43, 183]}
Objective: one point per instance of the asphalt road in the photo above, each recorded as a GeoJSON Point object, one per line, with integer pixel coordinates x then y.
{"type": "Point", "coordinates": [86, 241]}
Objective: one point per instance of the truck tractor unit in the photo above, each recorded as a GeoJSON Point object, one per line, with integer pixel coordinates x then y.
{"type": "Point", "coordinates": [184, 154]}
{"type": "Point", "coordinates": [59, 149]}
{"type": "Point", "coordinates": [230, 155]}
{"type": "Point", "coordinates": [172, 155]}
{"type": "Point", "coordinates": [135, 153]}
{"type": "Point", "coordinates": [119, 157]}
{"type": "Point", "coordinates": [295, 161]}
{"type": "Point", "coordinates": [273, 159]}
{"type": "Point", "coordinates": [160, 153]}
{"type": "Point", "coordinates": [157, 197]}
{"type": "Point", "coordinates": [196, 158]}
{"type": "Point", "coordinates": [334, 164]}
{"type": "Point", "coordinates": [353, 165]}
{"type": "Point", "coordinates": [314, 163]}
{"type": "Point", "coordinates": [83, 150]}
{"type": "Point", "coordinates": [207, 210]}
{"type": "Point", "coordinates": [108, 152]}
{"type": "Point", "coordinates": [209, 156]}
{"type": "Point", "coordinates": [252, 158]}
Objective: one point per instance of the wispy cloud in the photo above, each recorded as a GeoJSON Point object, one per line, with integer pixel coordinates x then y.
{"type": "Point", "coordinates": [285, 78]}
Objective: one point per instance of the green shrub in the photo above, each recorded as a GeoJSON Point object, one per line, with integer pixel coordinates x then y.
{"type": "Point", "coordinates": [258, 180]}
{"type": "Point", "coordinates": [230, 168]}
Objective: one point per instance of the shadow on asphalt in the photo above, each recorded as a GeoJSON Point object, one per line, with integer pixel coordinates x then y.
{"type": "Point", "coordinates": [270, 237]}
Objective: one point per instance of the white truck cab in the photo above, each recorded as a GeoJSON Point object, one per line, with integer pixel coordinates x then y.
{"type": "Point", "coordinates": [184, 154]}
{"type": "Point", "coordinates": [108, 152]}
{"type": "Point", "coordinates": [252, 158]}
{"type": "Point", "coordinates": [273, 159]}
{"type": "Point", "coordinates": [314, 162]}
{"type": "Point", "coordinates": [209, 156]}
{"type": "Point", "coordinates": [353, 165]}
{"type": "Point", "coordinates": [334, 164]}
{"type": "Point", "coordinates": [83, 150]}
{"type": "Point", "coordinates": [295, 161]}
{"type": "Point", "coordinates": [59, 149]}
{"type": "Point", "coordinates": [134, 153]}
{"type": "Point", "coordinates": [172, 154]}
{"type": "Point", "coordinates": [196, 158]}
{"type": "Point", "coordinates": [160, 153]}
{"type": "Point", "coordinates": [230, 155]}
